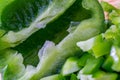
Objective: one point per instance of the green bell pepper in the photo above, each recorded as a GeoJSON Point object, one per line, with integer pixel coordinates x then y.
{"type": "Point", "coordinates": [81, 28]}
{"type": "Point", "coordinates": [67, 47]}
{"type": "Point", "coordinates": [22, 30]}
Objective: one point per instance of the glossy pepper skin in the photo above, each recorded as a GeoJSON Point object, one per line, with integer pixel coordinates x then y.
{"type": "Point", "coordinates": [67, 47]}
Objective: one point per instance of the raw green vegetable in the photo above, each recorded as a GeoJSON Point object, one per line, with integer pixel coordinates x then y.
{"type": "Point", "coordinates": [87, 44]}
{"type": "Point", "coordinates": [99, 75]}
{"type": "Point", "coordinates": [92, 65]}
{"type": "Point", "coordinates": [67, 47]}
{"type": "Point", "coordinates": [34, 23]}
{"type": "Point", "coordinates": [107, 65]}
{"type": "Point", "coordinates": [12, 64]}
{"type": "Point", "coordinates": [101, 46]}
{"type": "Point", "coordinates": [98, 45]}
{"type": "Point", "coordinates": [73, 77]}
{"type": "Point", "coordinates": [83, 59]}
{"type": "Point", "coordinates": [54, 31]}
{"type": "Point", "coordinates": [113, 34]}
{"type": "Point", "coordinates": [115, 53]}
{"type": "Point", "coordinates": [53, 11]}
{"type": "Point", "coordinates": [70, 66]}
{"type": "Point", "coordinates": [54, 77]}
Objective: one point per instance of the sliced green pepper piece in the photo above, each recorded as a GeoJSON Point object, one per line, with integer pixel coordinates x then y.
{"type": "Point", "coordinates": [83, 59]}
{"type": "Point", "coordinates": [11, 64]}
{"type": "Point", "coordinates": [52, 12]}
{"type": "Point", "coordinates": [101, 46]}
{"type": "Point", "coordinates": [92, 65]}
{"type": "Point", "coordinates": [70, 66]}
{"type": "Point", "coordinates": [73, 77]}
{"type": "Point", "coordinates": [115, 54]}
{"type": "Point", "coordinates": [54, 77]}
{"type": "Point", "coordinates": [67, 47]}
{"type": "Point", "coordinates": [101, 75]}
{"type": "Point", "coordinates": [107, 65]}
